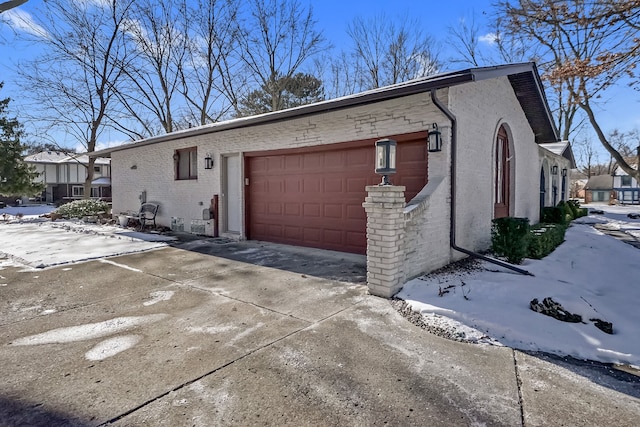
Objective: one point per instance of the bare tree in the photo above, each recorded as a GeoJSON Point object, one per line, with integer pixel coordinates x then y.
{"type": "Point", "coordinates": [279, 37]}
{"type": "Point", "coordinates": [74, 83]}
{"type": "Point", "coordinates": [157, 32]}
{"type": "Point", "coordinates": [465, 39]}
{"type": "Point", "coordinates": [590, 46]}
{"type": "Point", "coordinates": [211, 72]}
{"type": "Point", "coordinates": [386, 52]}
{"type": "Point", "coordinates": [588, 158]}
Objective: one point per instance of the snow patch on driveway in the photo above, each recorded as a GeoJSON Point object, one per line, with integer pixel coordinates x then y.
{"type": "Point", "coordinates": [88, 331]}
{"type": "Point", "coordinates": [112, 346]}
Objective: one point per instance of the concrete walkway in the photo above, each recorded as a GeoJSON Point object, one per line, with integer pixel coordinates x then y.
{"type": "Point", "coordinates": [176, 337]}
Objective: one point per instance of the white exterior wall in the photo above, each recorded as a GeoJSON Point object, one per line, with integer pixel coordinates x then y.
{"type": "Point", "coordinates": [150, 168]}
{"type": "Point", "coordinates": [481, 108]}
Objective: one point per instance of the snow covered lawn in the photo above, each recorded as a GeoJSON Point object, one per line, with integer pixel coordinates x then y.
{"type": "Point", "coordinates": [590, 274]}
{"type": "Point", "coordinates": [27, 238]}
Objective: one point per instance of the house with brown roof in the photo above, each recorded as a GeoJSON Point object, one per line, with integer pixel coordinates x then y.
{"type": "Point", "coordinates": [599, 188]}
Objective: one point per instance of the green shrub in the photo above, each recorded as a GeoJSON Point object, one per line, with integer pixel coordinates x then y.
{"type": "Point", "coordinates": [553, 215]}
{"type": "Point", "coordinates": [510, 238]}
{"type": "Point", "coordinates": [582, 212]}
{"type": "Point", "coordinates": [544, 239]}
{"type": "Point", "coordinates": [569, 213]}
{"type": "Point", "coordinates": [82, 208]}
{"type": "Point", "coordinates": [574, 205]}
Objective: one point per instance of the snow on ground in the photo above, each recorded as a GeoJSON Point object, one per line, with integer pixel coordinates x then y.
{"type": "Point", "coordinates": [591, 274]}
{"type": "Point", "coordinates": [29, 239]}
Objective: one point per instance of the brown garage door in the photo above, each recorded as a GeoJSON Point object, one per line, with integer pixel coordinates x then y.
{"type": "Point", "coordinates": [313, 197]}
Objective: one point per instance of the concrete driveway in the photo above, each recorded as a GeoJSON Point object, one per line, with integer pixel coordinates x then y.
{"type": "Point", "coordinates": [194, 336]}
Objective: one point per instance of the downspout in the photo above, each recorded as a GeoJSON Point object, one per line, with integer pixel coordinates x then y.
{"type": "Point", "coordinates": [452, 228]}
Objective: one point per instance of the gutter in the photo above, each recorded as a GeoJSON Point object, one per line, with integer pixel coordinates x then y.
{"type": "Point", "coordinates": [452, 228]}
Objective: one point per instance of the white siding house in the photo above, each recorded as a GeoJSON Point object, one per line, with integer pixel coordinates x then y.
{"type": "Point", "coordinates": [626, 187]}
{"type": "Point", "coordinates": [64, 175]}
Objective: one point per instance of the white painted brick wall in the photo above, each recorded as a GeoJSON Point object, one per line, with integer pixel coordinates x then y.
{"type": "Point", "coordinates": [154, 172]}
{"type": "Point", "coordinates": [481, 107]}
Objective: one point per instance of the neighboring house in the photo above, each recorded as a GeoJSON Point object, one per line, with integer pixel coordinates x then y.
{"type": "Point", "coordinates": [64, 175]}
{"type": "Point", "coordinates": [599, 188]}
{"type": "Point", "coordinates": [626, 187]}
{"type": "Point", "coordinates": [555, 172]}
{"type": "Point", "coordinates": [300, 176]}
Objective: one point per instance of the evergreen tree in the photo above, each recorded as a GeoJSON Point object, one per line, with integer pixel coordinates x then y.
{"type": "Point", "coordinates": [16, 176]}
{"type": "Point", "coordinates": [284, 92]}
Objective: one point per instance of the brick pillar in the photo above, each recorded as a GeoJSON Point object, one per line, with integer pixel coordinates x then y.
{"type": "Point", "coordinates": [385, 239]}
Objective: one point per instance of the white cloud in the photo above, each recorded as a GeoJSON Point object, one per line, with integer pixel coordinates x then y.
{"type": "Point", "coordinates": [22, 21]}
{"type": "Point", "coordinates": [489, 38]}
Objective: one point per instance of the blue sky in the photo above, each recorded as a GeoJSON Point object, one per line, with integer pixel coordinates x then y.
{"type": "Point", "coordinates": [333, 17]}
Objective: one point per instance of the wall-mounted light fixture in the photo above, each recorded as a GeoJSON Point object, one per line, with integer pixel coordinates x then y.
{"type": "Point", "coordinates": [435, 139]}
{"type": "Point", "coordinates": [385, 159]}
{"type": "Point", "coordinates": [554, 170]}
{"type": "Point", "coordinates": [208, 162]}
{"type": "Point", "coordinates": [564, 171]}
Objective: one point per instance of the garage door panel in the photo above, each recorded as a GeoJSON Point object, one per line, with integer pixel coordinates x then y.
{"type": "Point", "coordinates": [333, 160]}
{"type": "Point", "coordinates": [312, 185]}
{"type": "Point", "coordinates": [333, 211]}
{"type": "Point", "coordinates": [275, 230]}
{"type": "Point", "coordinates": [356, 212]}
{"type": "Point", "coordinates": [356, 239]}
{"type": "Point", "coordinates": [333, 237]}
{"type": "Point", "coordinates": [292, 163]}
{"type": "Point", "coordinates": [315, 198]}
{"type": "Point", "coordinates": [275, 163]}
{"type": "Point", "coordinates": [274, 208]}
{"type": "Point", "coordinates": [293, 233]}
{"type": "Point", "coordinates": [292, 185]}
{"type": "Point", "coordinates": [313, 235]}
{"type": "Point", "coordinates": [292, 209]}
{"type": "Point", "coordinates": [359, 159]}
{"type": "Point", "coordinates": [333, 185]}
{"type": "Point", "coordinates": [412, 153]}
{"type": "Point", "coordinates": [355, 185]}
{"type": "Point", "coordinates": [311, 162]}
{"type": "Point", "coordinates": [311, 210]}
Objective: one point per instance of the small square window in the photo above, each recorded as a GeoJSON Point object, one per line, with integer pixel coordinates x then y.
{"type": "Point", "coordinates": [626, 180]}
{"type": "Point", "coordinates": [186, 163]}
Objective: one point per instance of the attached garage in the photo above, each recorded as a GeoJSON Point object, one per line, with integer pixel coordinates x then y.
{"type": "Point", "coordinates": [313, 196]}
{"type": "Point", "coordinates": [301, 176]}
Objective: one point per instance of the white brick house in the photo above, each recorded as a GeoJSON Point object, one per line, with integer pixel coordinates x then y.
{"type": "Point", "coordinates": [300, 176]}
